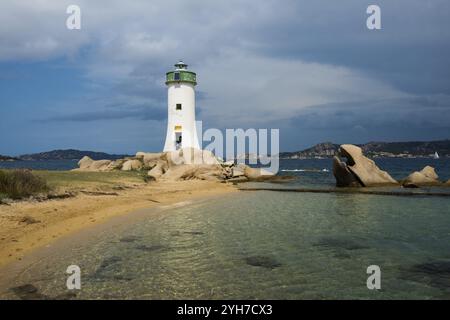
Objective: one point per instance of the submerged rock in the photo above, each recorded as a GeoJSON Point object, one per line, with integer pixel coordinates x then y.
{"type": "Point", "coordinates": [196, 233]}
{"type": "Point", "coordinates": [129, 239]}
{"type": "Point", "coordinates": [65, 296]}
{"type": "Point", "coordinates": [151, 248]}
{"type": "Point", "coordinates": [342, 255]}
{"type": "Point", "coordinates": [28, 292]}
{"type": "Point", "coordinates": [434, 267]}
{"type": "Point", "coordinates": [426, 177]}
{"type": "Point", "coordinates": [434, 273]}
{"type": "Point", "coordinates": [263, 261]}
{"type": "Point", "coordinates": [358, 170]}
{"type": "Point", "coordinates": [108, 262]}
{"type": "Point", "coordinates": [108, 265]}
{"type": "Point", "coordinates": [343, 243]}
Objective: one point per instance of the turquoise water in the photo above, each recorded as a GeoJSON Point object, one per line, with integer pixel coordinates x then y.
{"type": "Point", "coordinates": [259, 245]}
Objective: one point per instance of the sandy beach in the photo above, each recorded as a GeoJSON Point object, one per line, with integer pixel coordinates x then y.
{"type": "Point", "coordinates": [27, 225]}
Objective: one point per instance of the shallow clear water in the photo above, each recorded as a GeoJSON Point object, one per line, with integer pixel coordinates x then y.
{"type": "Point", "coordinates": [265, 245]}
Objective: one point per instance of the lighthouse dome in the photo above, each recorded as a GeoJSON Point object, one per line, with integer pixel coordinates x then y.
{"type": "Point", "coordinates": [181, 74]}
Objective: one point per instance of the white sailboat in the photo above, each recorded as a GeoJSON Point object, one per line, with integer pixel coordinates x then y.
{"type": "Point", "coordinates": [436, 155]}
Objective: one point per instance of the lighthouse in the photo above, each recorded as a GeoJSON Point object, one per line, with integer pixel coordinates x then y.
{"type": "Point", "coordinates": [181, 129]}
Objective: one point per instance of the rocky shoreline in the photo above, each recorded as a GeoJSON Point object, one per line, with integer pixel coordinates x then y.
{"type": "Point", "coordinates": [8, 158]}
{"type": "Point", "coordinates": [360, 171]}
{"type": "Point", "coordinates": [193, 164]}
{"type": "Point", "coordinates": [183, 164]}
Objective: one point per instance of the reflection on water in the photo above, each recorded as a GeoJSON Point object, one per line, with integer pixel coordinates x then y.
{"type": "Point", "coordinates": [261, 245]}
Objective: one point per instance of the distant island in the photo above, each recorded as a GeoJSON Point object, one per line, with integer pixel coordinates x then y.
{"type": "Point", "coordinates": [411, 149]}
{"type": "Point", "coordinates": [70, 154]}
{"type": "Point", "coordinates": [7, 158]}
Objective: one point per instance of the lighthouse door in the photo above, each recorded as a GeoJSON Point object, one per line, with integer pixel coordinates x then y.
{"type": "Point", "coordinates": [178, 140]}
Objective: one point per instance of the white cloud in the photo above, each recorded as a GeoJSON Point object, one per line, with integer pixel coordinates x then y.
{"type": "Point", "coordinates": [244, 89]}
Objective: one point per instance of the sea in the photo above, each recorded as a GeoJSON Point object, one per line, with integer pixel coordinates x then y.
{"type": "Point", "coordinates": [260, 244]}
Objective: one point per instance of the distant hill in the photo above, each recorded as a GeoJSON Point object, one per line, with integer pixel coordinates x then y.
{"type": "Point", "coordinates": [416, 148]}
{"type": "Point", "coordinates": [70, 154]}
{"type": "Point", "coordinates": [377, 149]}
{"type": "Point", "coordinates": [7, 158]}
{"type": "Point", "coordinates": [325, 149]}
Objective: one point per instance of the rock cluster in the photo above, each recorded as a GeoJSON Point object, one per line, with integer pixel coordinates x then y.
{"type": "Point", "coordinates": [359, 171]}
{"type": "Point", "coordinates": [183, 164]}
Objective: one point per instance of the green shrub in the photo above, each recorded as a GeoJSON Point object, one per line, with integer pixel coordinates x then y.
{"type": "Point", "coordinates": [17, 184]}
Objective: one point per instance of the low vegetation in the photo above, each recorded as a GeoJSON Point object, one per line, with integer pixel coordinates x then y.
{"type": "Point", "coordinates": [18, 184]}
{"type": "Point", "coordinates": [62, 181]}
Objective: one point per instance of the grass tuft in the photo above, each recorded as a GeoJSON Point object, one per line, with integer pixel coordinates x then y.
{"type": "Point", "coordinates": [18, 184]}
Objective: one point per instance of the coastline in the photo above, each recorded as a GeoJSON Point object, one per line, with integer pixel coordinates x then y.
{"type": "Point", "coordinates": [52, 219]}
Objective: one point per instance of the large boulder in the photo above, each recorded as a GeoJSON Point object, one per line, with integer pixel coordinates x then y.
{"type": "Point", "coordinates": [158, 170]}
{"type": "Point", "coordinates": [238, 171]}
{"type": "Point", "coordinates": [430, 173]}
{"type": "Point", "coordinates": [85, 162]}
{"type": "Point", "coordinates": [116, 164]}
{"type": "Point", "coordinates": [100, 165]}
{"type": "Point", "coordinates": [358, 170]}
{"type": "Point", "coordinates": [205, 172]}
{"type": "Point", "coordinates": [190, 156]}
{"type": "Point", "coordinates": [194, 172]}
{"type": "Point", "coordinates": [131, 165]}
{"type": "Point", "coordinates": [426, 177]}
{"type": "Point", "coordinates": [149, 160]}
{"type": "Point", "coordinates": [344, 177]}
{"type": "Point", "coordinates": [257, 173]}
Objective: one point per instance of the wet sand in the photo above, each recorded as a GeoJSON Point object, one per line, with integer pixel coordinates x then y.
{"type": "Point", "coordinates": [28, 225]}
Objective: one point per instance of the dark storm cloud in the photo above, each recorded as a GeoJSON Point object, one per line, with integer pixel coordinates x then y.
{"type": "Point", "coordinates": [416, 118]}
{"type": "Point", "coordinates": [411, 51]}
{"type": "Point", "coordinates": [414, 113]}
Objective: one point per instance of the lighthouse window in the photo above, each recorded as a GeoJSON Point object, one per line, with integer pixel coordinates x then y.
{"type": "Point", "coordinates": [176, 76]}
{"type": "Point", "coordinates": [178, 106]}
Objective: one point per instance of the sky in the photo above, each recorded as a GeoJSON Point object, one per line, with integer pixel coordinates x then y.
{"type": "Point", "coordinates": [311, 69]}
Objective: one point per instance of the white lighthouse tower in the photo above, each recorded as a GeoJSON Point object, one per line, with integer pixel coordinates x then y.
{"type": "Point", "coordinates": [181, 129]}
